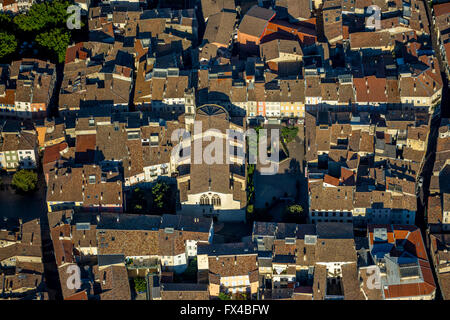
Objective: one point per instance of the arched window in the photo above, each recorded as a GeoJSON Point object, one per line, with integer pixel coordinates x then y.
{"type": "Point", "coordinates": [216, 200]}
{"type": "Point", "coordinates": [204, 200]}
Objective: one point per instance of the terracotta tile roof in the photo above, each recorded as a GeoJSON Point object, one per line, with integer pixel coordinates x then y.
{"type": "Point", "coordinates": [219, 28]}
{"type": "Point", "coordinates": [297, 9]}
{"type": "Point", "coordinates": [413, 155]}
{"type": "Point", "coordinates": [313, 87]}
{"type": "Point", "coordinates": [62, 244]}
{"type": "Point", "coordinates": [351, 283]}
{"type": "Point", "coordinates": [184, 291]}
{"type": "Point", "coordinates": [329, 91]}
{"type": "Point", "coordinates": [21, 281]}
{"type": "Point", "coordinates": [321, 198]}
{"type": "Point", "coordinates": [335, 250]}
{"type": "Point", "coordinates": [255, 21]}
{"type": "Point", "coordinates": [9, 98]}
{"type": "Point", "coordinates": [53, 153]}
{"type": "Point", "coordinates": [361, 40]}
{"type": "Point", "coordinates": [232, 266]}
{"type": "Point", "coordinates": [441, 9]}
{"type": "Point", "coordinates": [411, 240]}
{"type": "Point", "coordinates": [132, 235]}
{"type": "Point", "coordinates": [331, 180]}
{"type": "Point", "coordinates": [370, 89]}
{"type": "Point", "coordinates": [82, 295]}
{"type": "Point", "coordinates": [76, 52]}
{"type": "Point", "coordinates": [22, 141]}
{"type": "Point", "coordinates": [319, 285]}
{"type": "Point", "coordinates": [346, 93]}
{"type": "Point", "coordinates": [114, 283]}
{"type": "Point", "coordinates": [73, 185]}
{"type": "Point", "coordinates": [210, 7]}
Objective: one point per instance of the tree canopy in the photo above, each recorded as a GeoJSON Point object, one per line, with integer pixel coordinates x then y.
{"type": "Point", "coordinates": [25, 180]}
{"type": "Point", "coordinates": [56, 40]}
{"type": "Point", "coordinates": [8, 44]}
{"type": "Point", "coordinates": [140, 285]}
{"type": "Point", "coordinates": [138, 203]}
{"type": "Point", "coordinates": [295, 209]}
{"type": "Point", "coordinates": [5, 21]}
{"type": "Point", "coordinates": [289, 133]}
{"type": "Point", "coordinates": [160, 192]}
{"type": "Point", "coordinates": [45, 23]}
{"type": "Point", "coordinates": [224, 296]}
{"type": "Point", "coordinates": [41, 15]}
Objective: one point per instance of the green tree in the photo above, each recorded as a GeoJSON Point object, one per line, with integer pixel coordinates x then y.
{"type": "Point", "coordinates": [24, 180]}
{"type": "Point", "coordinates": [8, 44]}
{"type": "Point", "coordinates": [138, 203]}
{"type": "Point", "coordinates": [295, 209]}
{"type": "Point", "coordinates": [251, 169]}
{"type": "Point", "coordinates": [224, 296]}
{"type": "Point", "coordinates": [34, 20]}
{"type": "Point", "coordinates": [289, 133]}
{"type": "Point", "coordinates": [160, 192]}
{"type": "Point", "coordinates": [293, 213]}
{"type": "Point", "coordinates": [42, 15]}
{"type": "Point", "coordinates": [5, 21]}
{"type": "Point", "coordinates": [140, 285]}
{"type": "Point", "coordinates": [56, 41]}
{"type": "Point", "coordinates": [57, 12]}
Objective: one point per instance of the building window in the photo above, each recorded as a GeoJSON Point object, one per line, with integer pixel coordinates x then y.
{"type": "Point", "coordinates": [204, 200]}
{"type": "Point", "coordinates": [216, 200]}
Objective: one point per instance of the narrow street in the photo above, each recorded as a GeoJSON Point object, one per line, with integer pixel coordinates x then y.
{"type": "Point", "coordinates": [422, 199]}
{"type": "Point", "coordinates": [427, 170]}
{"type": "Point", "coordinates": [29, 207]}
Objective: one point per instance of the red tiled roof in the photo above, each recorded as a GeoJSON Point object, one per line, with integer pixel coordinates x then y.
{"type": "Point", "coordinates": [347, 176]}
{"type": "Point", "coordinates": [441, 9]}
{"type": "Point", "coordinates": [331, 180]}
{"type": "Point", "coordinates": [8, 99]}
{"type": "Point", "coordinates": [75, 52]}
{"type": "Point", "coordinates": [82, 295]}
{"type": "Point", "coordinates": [85, 142]}
{"type": "Point", "coordinates": [414, 245]}
{"type": "Point", "coordinates": [370, 89]}
{"type": "Point", "coordinates": [52, 153]}
{"type": "Point", "coordinates": [408, 290]}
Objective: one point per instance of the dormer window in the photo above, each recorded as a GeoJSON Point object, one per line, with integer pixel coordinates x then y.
{"type": "Point", "coordinates": [154, 139]}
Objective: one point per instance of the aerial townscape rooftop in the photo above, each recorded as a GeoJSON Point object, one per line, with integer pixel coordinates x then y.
{"type": "Point", "coordinates": [224, 150]}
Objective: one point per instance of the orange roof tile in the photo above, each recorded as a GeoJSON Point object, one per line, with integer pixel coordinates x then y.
{"type": "Point", "coordinates": [85, 142]}
{"type": "Point", "coordinates": [331, 180]}
{"type": "Point", "coordinates": [82, 295]}
{"type": "Point", "coordinates": [52, 153]}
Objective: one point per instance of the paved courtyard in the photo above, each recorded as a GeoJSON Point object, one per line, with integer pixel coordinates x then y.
{"type": "Point", "coordinates": [283, 184]}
